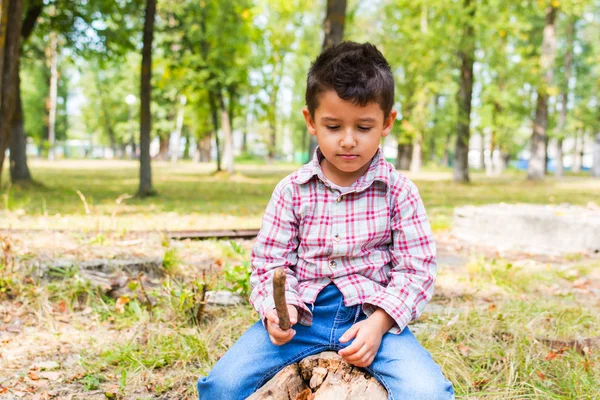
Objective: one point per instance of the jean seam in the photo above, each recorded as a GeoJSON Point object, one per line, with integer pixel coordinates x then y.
{"type": "Point", "coordinates": [273, 371]}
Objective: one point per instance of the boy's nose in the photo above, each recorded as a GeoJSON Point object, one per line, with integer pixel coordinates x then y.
{"type": "Point", "coordinates": [348, 139]}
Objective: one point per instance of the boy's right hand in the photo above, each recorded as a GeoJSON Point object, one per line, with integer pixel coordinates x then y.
{"type": "Point", "coordinates": [277, 335]}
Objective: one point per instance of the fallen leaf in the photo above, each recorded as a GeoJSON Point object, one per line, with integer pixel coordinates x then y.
{"type": "Point", "coordinates": [464, 350]}
{"type": "Point", "coordinates": [3, 390]}
{"type": "Point", "coordinates": [33, 376]}
{"type": "Point", "coordinates": [7, 318]}
{"type": "Point", "coordinates": [480, 384]}
{"type": "Point", "coordinates": [62, 306]}
{"type": "Point", "coordinates": [553, 355]}
{"type": "Point", "coordinates": [120, 304]}
{"type": "Point", "coordinates": [581, 283]}
{"type": "Point", "coordinates": [50, 375]}
{"type": "Point", "coordinates": [541, 375]}
{"type": "Point", "coordinates": [492, 307]}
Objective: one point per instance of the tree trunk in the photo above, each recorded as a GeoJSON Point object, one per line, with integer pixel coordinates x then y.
{"type": "Point", "coordinates": [19, 171]}
{"type": "Point", "coordinates": [226, 125]}
{"type": "Point", "coordinates": [10, 51]}
{"type": "Point", "coordinates": [446, 156]}
{"type": "Point", "coordinates": [108, 127]}
{"type": "Point", "coordinates": [417, 154]}
{"type": "Point", "coordinates": [538, 137]}
{"type": "Point", "coordinates": [404, 158]}
{"type": "Point", "coordinates": [560, 166]}
{"type": "Point", "coordinates": [53, 94]}
{"type": "Point", "coordinates": [215, 119]}
{"type": "Point", "coordinates": [178, 129]}
{"type": "Point", "coordinates": [163, 148]}
{"type": "Point", "coordinates": [145, 188]}
{"type": "Point", "coordinates": [203, 149]}
{"type": "Point", "coordinates": [186, 149]}
{"type": "Point", "coordinates": [323, 376]}
{"type": "Point", "coordinates": [465, 93]}
{"type": "Point", "coordinates": [564, 96]}
{"type": "Point", "coordinates": [577, 151]}
{"type": "Point", "coordinates": [333, 26]}
{"type": "Point", "coordinates": [482, 164]}
{"type": "Point", "coordinates": [595, 171]}
{"type": "Point", "coordinates": [4, 4]}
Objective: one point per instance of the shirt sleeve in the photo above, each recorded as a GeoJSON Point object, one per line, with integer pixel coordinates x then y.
{"type": "Point", "coordinates": [413, 259]}
{"type": "Point", "coordinates": [276, 246]}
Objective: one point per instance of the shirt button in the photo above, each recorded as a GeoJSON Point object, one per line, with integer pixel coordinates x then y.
{"type": "Point", "coordinates": [337, 237]}
{"type": "Point", "coordinates": [332, 264]}
{"type": "Point", "coordinates": [339, 199]}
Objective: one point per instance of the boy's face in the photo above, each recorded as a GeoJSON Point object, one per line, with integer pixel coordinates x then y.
{"type": "Point", "coordinates": [348, 135]}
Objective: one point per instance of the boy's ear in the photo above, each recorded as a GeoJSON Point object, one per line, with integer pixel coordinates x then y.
{"type": "Point", "coordinates": [389, 123]}
{"type": "Point", "coordinates": [310, 124]}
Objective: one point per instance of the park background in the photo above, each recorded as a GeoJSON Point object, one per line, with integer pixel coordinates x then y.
{"type": "Point", "coordinates": [126, 123]}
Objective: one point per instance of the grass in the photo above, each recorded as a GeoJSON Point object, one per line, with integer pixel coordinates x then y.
{"type": "Point", "coordinates": [488, 338]}
{"type": "Point", "coordinates": [192, 196]}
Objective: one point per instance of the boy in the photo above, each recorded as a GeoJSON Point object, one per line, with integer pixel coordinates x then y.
{"type": "Point", "coordinates": [354, 240]}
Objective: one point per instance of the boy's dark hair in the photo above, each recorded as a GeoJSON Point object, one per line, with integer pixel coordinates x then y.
{"type": "Point", "coordinates": [357, 72]}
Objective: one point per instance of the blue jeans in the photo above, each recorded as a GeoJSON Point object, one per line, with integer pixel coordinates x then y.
{"type": "Point", "coordinates": [402, 365]}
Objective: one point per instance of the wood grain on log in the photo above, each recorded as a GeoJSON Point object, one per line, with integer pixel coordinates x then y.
{"type": "Point", "coordinates": [286, 385]}
{"type": "Point", "coordinates": [324, 376]}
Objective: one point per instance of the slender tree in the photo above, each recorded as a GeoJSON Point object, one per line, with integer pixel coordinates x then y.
{"type": "Point", "coordinates": [564, 98]}
{"type": "Point", "coordinates": [464, 95]}
{"type": "Point", "coordinates": [11, 20]}
{"type": "Point", "coordinates": [19, 170]}
{"type": "Point", "coordinates": [145, 188]}
{"type": "Point", "coordinates": [333, 25]}
{"type": "Point", "coordinates": [538, 137]}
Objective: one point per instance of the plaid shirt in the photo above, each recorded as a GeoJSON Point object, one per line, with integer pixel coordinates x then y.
{"type": "Point", "coordinates": [374, 242]}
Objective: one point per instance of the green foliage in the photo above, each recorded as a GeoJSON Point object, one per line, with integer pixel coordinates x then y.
{"type": "Point", "coordinates": [92, 381]}
{"type": "Point", "coordinates": [171, 260]}
{"type": "Point", "coordinates": [237, 276]}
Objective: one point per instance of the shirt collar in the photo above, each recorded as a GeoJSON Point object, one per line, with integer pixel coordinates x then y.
{"type": "Point", "coordinates": [378, 171]}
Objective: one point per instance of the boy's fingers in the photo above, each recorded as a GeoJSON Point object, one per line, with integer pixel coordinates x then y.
{"type": "Point", "coordinates": [353, 348]}
{"type": "Point", "coordinates": [358, 356]}
{"type": "Point", "coordinates": [293, 312]}
{"type": "Point", "coordinates": [349, 334]}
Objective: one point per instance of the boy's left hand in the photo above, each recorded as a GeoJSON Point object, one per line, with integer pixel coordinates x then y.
{"type": "Point", "coordinates": [367, 336]}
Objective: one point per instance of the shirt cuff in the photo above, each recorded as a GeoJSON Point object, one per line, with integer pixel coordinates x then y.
{"type": "Point", "coordinates": [393, 306]}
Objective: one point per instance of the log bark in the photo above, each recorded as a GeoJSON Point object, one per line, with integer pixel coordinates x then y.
{"type": "Point", "coordinates": [323, 376]}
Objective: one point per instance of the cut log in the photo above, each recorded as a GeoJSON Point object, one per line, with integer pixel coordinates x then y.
{"type": "Point", "coordinates": [323, 376]}
{"type": "Point", "coordinates": [287, 384]}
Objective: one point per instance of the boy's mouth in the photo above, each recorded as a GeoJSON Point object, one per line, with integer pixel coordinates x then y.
{"type": "Point", "coordinates": [348, 156]}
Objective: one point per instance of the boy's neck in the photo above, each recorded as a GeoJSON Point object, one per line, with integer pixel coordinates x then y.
{"type": "Point", "coordinates": [342, 178]}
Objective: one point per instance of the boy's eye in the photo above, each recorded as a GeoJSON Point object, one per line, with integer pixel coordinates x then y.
{"type": "Point", "coordinates": [333, 127]}
{"type": "Point", "coordinates": [364, 128]}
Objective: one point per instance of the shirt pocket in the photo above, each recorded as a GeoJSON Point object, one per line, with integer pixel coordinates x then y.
{"type": "Point", "coordinates": [373, 222]}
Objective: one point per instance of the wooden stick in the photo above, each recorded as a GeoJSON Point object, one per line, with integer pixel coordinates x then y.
{"type": "Point", "coordinates": [279, 297]}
